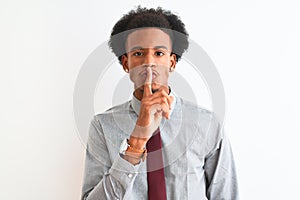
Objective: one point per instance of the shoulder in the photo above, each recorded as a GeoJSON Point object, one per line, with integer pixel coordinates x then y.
{"type": "Point", "coordinates": [206, 120]}
{"type": "Point", "coordinates": [120, 109]}
{"type": "Point", "coordinates": [200, 124]}
{"type": "Point", "coordinates": [194, 109]}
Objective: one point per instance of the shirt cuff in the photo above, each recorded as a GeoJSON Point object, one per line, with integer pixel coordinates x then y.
{"type": "Point", "coordinates": [124, 171]}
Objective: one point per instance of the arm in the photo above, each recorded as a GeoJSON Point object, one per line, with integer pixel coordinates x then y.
{"type": "Point", "coordinates": [103, 179]}
{"type": "Point", "coordinates": [104, 182]}
{"type": "Point", "coordinates": [153, 108]}
{"type": "Point", "coordinates": [220, 172]}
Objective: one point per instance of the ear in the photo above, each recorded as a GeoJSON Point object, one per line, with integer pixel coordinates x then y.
{"type": "Point", "coordinates": [172, 62]}
{"type": "Point", "coordinates": [124, 62]}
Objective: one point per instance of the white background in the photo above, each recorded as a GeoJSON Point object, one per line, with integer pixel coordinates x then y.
{"type": "Point", "coordinates": [254, 44]}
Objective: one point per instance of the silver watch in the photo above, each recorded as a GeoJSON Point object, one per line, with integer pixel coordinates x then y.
{"type": "Point", "coordinates": [124, 146]}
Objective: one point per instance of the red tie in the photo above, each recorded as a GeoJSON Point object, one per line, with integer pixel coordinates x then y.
{"type": "Point", "coordinates": [155, 168]}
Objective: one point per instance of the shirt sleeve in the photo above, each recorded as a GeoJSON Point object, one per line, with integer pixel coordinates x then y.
{"type": "Point", "coordinates": [104, 179]}
{"type": "Point", "coordinates": [220, 172]}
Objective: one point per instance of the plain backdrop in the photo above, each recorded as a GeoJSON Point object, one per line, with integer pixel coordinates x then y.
{"type": "Point", "coordinates": [255, 46]}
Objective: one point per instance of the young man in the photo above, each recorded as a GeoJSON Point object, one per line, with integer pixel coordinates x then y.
{"type": "Point", "coordinates": [156, 146]}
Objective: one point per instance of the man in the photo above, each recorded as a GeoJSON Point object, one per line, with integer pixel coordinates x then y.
{"type": "Point", "coordinates": [157, 145]}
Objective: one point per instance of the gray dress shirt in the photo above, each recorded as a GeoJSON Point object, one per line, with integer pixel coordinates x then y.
{"type": "Point", "coordinates": [197, 156]}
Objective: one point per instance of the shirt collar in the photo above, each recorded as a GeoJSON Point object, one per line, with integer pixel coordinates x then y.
{"type": "Point", "coordinates": [136, 104]}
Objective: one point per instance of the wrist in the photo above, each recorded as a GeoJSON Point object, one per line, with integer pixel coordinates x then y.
{"type": "Point", "coordinates": [139, 154]}
{"type": "Point", "coordinates": [132, 154]}
{"type": "Point", "coordinates": [132, 160]}
{"type": "Point", "coordinates": [137, 142]}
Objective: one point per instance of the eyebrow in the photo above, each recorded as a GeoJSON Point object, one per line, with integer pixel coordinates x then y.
{"type": "Point", "coordinates": [156, 47]}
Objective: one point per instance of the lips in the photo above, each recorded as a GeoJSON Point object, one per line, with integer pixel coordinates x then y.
{"type": "Point", "coordinates": [144, 74]}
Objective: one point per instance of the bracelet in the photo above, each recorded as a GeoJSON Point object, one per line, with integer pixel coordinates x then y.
{"type": "Point", "coordinates": [136, 155]}
{"type": "Point", "coordinates": [135, 142]}
{"type": "Point", "coordinates": [132, 149]}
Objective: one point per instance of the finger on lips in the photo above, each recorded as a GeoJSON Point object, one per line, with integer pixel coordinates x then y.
{"type": "Point", "coordinates": [160, 97]}
{"type": "Point", "coordinates": [148, 82]}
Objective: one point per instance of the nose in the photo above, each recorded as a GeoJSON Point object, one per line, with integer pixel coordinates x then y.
{"type": "Point", "coordinates": [149, 60]}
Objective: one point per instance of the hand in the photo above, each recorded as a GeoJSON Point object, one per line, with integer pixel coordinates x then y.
{"type": "Point", "coordinates": [153, 108]}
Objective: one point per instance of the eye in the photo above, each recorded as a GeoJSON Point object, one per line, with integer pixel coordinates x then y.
{"type": "Point", "coordinates": [159, 53]}
{"type": "Point", "coordinates": [137, 53]}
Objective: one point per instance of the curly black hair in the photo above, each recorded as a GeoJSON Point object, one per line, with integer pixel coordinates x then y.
{"type": "Point", "coordinates": [144, 17]}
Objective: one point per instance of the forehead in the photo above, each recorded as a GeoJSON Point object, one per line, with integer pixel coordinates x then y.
{"type": "Point", "coordinates": [148, 38]}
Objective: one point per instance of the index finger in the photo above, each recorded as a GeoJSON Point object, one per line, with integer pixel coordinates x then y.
{"type": "Point", "coordinates": [148, 82]}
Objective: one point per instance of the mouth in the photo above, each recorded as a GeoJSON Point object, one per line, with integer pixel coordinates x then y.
{"type": "Point", "coordinates": [144, 74]}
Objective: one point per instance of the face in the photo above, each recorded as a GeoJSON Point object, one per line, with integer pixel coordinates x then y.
{"type": "Point", "coordinates": [149, 47]}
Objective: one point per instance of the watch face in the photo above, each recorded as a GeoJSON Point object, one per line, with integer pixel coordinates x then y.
{"type": "Point", "coordinates": [123, 146]}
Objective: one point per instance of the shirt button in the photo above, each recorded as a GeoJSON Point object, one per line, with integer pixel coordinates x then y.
{"type": "Point", "coordinates": [129, 175]}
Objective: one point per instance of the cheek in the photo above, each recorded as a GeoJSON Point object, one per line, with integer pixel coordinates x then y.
{"type": "Point", "coordinates": [133, 75]}
{"type": "Point", "coordinates": [165, 71]}
{"type": "Point", "coordinates": [133, 62]}
{"type": "Point", "coordinates": [136, 78]}
{"type": "Point", "coordinates": [164, 76]}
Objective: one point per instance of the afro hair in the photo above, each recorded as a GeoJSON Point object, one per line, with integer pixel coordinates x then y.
{"type": "Point", "coordinates": [144, 17]}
